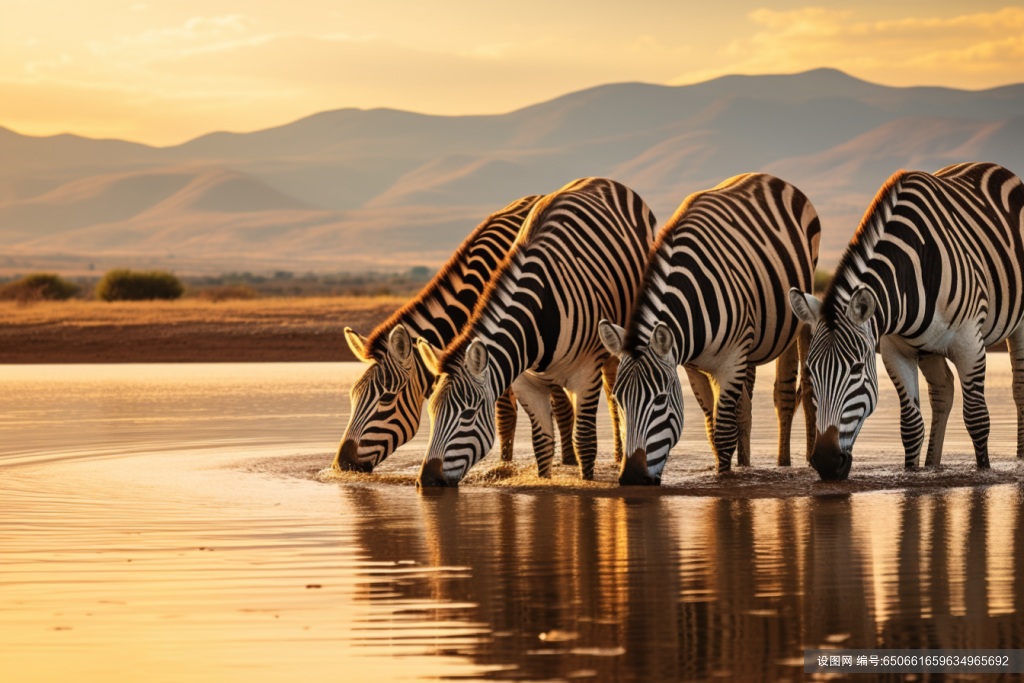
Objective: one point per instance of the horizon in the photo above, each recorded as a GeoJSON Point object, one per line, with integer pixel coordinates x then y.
{"type": "Point", "coordinates": [162, 73]}
{"type": "Point", "coordinates": [510, 111]}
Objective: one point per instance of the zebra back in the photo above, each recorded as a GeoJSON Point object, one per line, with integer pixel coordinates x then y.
{"type": "Point", "coordinates": [721, 269]}
{"type": "Point", "coordinates": [930, 243]}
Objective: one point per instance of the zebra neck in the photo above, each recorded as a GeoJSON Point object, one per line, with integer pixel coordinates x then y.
{"type": "Point", "coordinates": [507, 362]}
{"type": "Point", "coordinates": [424, 376]}
{"type": "Point", "coordinates": [889, 297]}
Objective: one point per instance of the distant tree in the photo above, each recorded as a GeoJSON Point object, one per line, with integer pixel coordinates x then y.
{"type": "Point", "coordinates": [39, 287]}
{"type": "Point", "coordinates": [129, 285]}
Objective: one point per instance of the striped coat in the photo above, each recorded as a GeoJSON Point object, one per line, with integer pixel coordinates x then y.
{"type": "Point", "coordinates": [933, 272]}
{"type": "Point", "coordinates": [579, 258]}
{"type": "Point", "coordinates": [714, 301]}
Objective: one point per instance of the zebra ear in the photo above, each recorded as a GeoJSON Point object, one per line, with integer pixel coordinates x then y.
{"type": "Point", "coordinates": [357, 343]}
{"type": "Point", "coordinates": [662, 341]}
{"type": "Point", "coordinates": [400, 344]}
{"type": "Point", "coordinates": [862, 305]}
{"type": "Point", "coordinates": [430, 354]}
{"type": "Point", "coordinates": [476, 359]}
{"type": "Point", "coordinates": [612, 336]}
{"type": "Point", "coordinates": [806, 307]}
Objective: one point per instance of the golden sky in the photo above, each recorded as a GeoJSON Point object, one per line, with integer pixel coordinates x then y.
{"type": "Point", "coordinates": [162, 72]}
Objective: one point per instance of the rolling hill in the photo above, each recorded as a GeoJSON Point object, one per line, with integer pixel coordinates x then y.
{"type": "Point", "coordinates": [382, 186]}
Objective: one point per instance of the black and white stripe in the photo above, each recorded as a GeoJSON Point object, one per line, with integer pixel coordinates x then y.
{"type": "Point", "coordinates": [933, 272]}
{"type": "Point", "coordinates": [714, 301]}
{"type": "Point", "coordinates": [579, 258]}
{"type": "Point", "coordinates": [387, 400]}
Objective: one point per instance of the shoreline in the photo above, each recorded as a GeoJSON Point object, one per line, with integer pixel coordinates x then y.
{"type": "Point", "coordinates": [187, 331]}
{"type": "Point", "coordinates": [687, 479]}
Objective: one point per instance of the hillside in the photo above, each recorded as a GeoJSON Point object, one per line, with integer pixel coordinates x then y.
{"type": "Point", "coordinates": [353, 186]}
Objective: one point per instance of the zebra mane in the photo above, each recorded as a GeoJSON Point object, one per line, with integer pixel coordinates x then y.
{"type": "Point", "coordinates": [648, 309]}
{"type": "Point", "coordinates": [435, 291]}
{"type": "Point", "coordinates": [502, 283]}
{"type": "Point", "coordinates": [854, 261]}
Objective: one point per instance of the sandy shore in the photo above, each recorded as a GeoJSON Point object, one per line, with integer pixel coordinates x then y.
{"type": "Point", "coordinates": [276, 330]}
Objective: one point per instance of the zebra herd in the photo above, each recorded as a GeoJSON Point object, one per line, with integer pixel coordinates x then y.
{"type": "Point", "coordinates": [555, 296]}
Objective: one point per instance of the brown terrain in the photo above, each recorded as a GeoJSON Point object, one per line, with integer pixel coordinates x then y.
{"type": "Point", "coordinates": [191, 330]}
{"type": "Point", "coordinates": [188, 330]}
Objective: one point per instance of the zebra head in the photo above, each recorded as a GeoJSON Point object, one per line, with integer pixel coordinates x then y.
{"type": "Point", "coordinates": [648, 393]}
{"type": "Point", "coordinates": [461, 414]}
{"type": "Point", "coordinates": [386, 401]}
{"type": "Point", "coordinates": [841, 365]}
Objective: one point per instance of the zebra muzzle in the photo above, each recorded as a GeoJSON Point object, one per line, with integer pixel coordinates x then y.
{"type": "Point", "coordinates": [347, 459]}
{"type": "Point", "coordinates": [634, 471]}
{"type": "Point", "coordinates": [432, 474]}
{"type": "Point", "coordinates": [828, 458]}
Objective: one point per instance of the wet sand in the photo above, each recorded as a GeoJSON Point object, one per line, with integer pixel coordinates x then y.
{"type": "Point", "coordinates": [188, 330]}
{"type": "Point", "coordinates": [740, 483]}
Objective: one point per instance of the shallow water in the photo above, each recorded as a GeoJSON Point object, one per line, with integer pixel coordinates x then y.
{"type": "Point", "coordinates": [164, 522]}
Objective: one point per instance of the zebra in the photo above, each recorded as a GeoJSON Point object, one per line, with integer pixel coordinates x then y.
{"type": "Point", "coordinates": [933, 272]}
{"type": "Point", "coordinates": [578, 258]}
{"type": "Point", "coordinates": [714, 301]}
{"type": "Point", "coordinates": [387, 399]}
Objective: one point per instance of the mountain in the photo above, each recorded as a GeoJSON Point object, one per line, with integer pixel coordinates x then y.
{"type": "Point", "coordinates": [382, 185]}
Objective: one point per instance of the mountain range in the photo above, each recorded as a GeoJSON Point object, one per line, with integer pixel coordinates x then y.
{"type": "Point", "coordinates": [361, 188]}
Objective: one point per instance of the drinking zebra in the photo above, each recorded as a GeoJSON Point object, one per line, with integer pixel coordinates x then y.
{"type": "Point", "coordinates": [714, 301]}
{"type": "Point", "coordinates": [387, 400]}
{"type": "Point", "coordinates": [579, 258]}
{"type": "Point", "coordinates": [933, 272]}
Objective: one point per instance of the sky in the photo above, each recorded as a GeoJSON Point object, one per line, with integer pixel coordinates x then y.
{"type": "Point", "coordinates": [164, 72]}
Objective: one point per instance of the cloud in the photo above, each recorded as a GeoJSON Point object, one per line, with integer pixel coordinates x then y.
{"type": "Point", "coordinates": [195, 30]}
{"type": "Point", "coordinates": [974, 50]}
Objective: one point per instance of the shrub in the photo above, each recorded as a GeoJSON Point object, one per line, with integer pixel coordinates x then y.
{"type": "Point", "coordinates": [39, 287]}
{"type": "Point", "coordinates": [227, 293]}
{"type": "Point", "coordinates": [129, 285]}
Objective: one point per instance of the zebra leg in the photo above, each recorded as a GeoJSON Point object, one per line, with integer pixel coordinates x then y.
{"type": "Point", "coordinates": [536, 401]}
{"type": "Point", "coordinates": [608, 374]}
{"type": "Point", "coordinates": [506, 416]}
{"type": "Point", "coordinates": [969, 358]}
{"type": "Point", "coordinates": [728, 387]}
{"type": "Point", "coordinates": [586, 392]}
{"type": "Point", "coordinates": [786, 397]}
{"type": "Point", "coordinates": [561, 406]}
{"type": "Point", "coordinates": [744, 417]}
{"type": "Point", "coordinates": [900, 360]}
{"type": "Point", "coordinates": [940, 397]}
{"type": "Point", "coordinates": [806, 391]}
{"type": "Point", "coordinates": [1015, 344]}
{"type": "Point", "coordinates": [705, 396]}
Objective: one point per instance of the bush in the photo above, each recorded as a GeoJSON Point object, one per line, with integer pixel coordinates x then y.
{"type": "Point", "coordinates": [227, 293]}
{"type": "Point", "coordinates": [129, 285]}
{"type": "Point", "coordinates": [39, 287]}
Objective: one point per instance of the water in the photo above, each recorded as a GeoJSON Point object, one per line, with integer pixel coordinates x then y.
{"type": "Point", "coordinates": [164, 522]}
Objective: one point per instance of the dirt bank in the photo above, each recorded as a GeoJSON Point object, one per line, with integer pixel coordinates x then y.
{"type": "Point", "coordinates": [270, 330]}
